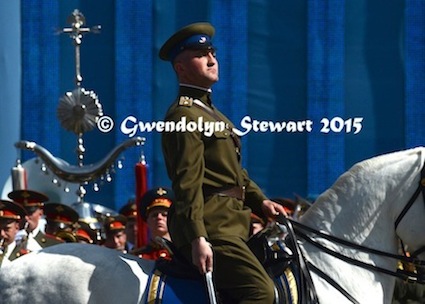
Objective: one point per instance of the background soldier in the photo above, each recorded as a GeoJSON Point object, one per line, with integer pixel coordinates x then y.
{"type": "Point", "coordinates": [130, 212]}
{"type": "Point", "coordinates": [115, 237]}
{"type": "Point", "coordinates": [85, 233]}
{"type": "Point", "coordinates": [154, 206]}
{"type": "Point", "coordinates": [61, 221]}
{"type": "Point", "coordinates": [33, 202]}
{"type": "Point", "coordinates": [11, 217]}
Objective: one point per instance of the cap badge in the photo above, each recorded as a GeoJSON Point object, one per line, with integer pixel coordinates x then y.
{"type": "Point", "coordinates": [202, 40]}
{"type": "Point", "coordinates": [59, 209]}
{"type": "Point", "coordinates": [161, 192]}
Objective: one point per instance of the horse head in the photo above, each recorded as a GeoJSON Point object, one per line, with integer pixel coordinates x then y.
{"type": "Point", "coordinates": [372, 205]}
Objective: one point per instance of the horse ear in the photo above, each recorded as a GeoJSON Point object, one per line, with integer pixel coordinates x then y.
{"type": "Point", "coordinates": [302, 201]}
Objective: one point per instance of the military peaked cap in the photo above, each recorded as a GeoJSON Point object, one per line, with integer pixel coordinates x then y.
{"type": "Point", "coordinates": [28, 198]}
{"type": "Point", "coordinates": [11, 210]}
{"type": "Point", "coordinates": [60, 213]}
{"type": "Point", "coordinates": [157, 197]}
{"type": "Point", "coordinates": [85, 232]}
{"type": "Point", "coordinates": [193, 36]}
{"type": "Point", "coordinates": [129, 210]}
{"type": "Point", "coordinates": [115, 223]}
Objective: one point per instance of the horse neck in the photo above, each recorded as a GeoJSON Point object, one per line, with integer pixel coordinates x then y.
{"type": "Point", "coordinates": [357, 219]}
{"type": "Point", "coordinates": [364, 202]}
{"type": "Point", "coordinates": [361, 207]}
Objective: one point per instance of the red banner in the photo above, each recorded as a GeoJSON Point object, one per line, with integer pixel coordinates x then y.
{"type": "Point", "coordinates": [141, 171]}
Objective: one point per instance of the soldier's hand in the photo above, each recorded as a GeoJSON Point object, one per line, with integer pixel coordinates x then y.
{"type": "Point", "coordinates": [202, 255]}
{"type": "Point", "coordinates": [272, 209]}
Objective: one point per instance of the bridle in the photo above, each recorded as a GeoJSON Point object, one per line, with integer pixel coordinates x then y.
{"type": "Point", "coordinates": [420, 189]}
{"type": "Point", "coordinates": [303, 231]}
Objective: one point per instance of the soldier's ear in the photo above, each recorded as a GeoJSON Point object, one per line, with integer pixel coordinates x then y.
{"type": "Point", "coordinates": [178, 67]}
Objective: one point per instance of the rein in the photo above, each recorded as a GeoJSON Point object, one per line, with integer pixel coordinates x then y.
{"type": "Point", "coordinates": [408, 276]}
{"type": "Point", "coordinates": [402, 274]}
{"type": "Point", "coordinates": [421, 188]}
{"type": "Point", "coordinates": [329, 237]}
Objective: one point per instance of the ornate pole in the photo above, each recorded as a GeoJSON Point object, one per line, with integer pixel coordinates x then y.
{"type": "Point", "coordinates": [76, 32]}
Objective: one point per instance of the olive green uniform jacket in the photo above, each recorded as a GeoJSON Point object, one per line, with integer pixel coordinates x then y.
{"type": "Point", "coordinates": [16, 253]}
{"type": "Point", "coordinates": [195, 159]}
{"type": "Point", "coordinates": [47, 240]}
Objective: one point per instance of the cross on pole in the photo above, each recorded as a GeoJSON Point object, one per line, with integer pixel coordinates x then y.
{"type": "Point", "coordinates": [76, 32]}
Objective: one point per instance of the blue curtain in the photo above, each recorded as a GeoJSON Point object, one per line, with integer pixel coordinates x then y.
{"type": "Point", "coordinates": [415, 72]}
{"type": "Point", "coordinates": [134, 85]}
{"type": "Point", "coordinates": [280, 61]}
{"type": "Point", "coordinates": [326, 47]}
{"type": "Point", "coordinates": [40, 81]}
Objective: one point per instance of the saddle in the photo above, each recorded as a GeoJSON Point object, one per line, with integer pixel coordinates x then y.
{"type": "Point", "coordinates": [178, 266]}
{"type": "Point", "coordinates": [175, 281]}
{"type": "Point", "coordinates": [273, 247]}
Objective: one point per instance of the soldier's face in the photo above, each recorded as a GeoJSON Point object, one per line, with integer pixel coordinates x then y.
{"type": "Point", "coordinates": [131, 230]}
{"type": "Point", "coordinates": [197, 67]}
{"type": "Point", "coordinates": [34, 219]}
{"type": "Point", "coordinates": [8, 231]}
{"type": "Point", "coordinates": [157, 221]}
{"type": "Point", "coordinates": [116, 240]}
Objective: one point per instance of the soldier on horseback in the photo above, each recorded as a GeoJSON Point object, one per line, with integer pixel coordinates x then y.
{"type": "Point", "coordinates": [209, 221]}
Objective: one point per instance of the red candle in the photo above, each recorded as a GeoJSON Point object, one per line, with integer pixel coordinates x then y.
{"type": "Point", "coordinates": [142, 237]}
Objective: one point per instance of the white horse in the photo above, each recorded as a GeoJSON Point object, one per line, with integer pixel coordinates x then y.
{"type": "Point", "coordinates": [361, 207]}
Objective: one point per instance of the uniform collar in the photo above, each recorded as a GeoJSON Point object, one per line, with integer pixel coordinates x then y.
{"type": "Point", "coordinates": [35, 231]}
{"type": "Point", "coordinates": [203, 94]}
{"type": "Point", "coordinates": [10, 249]}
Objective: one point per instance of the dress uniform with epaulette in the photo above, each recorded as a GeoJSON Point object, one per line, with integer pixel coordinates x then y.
{"type": "Point", "coordinates": [35, 239]}
{"type": "Point", "coordinates": [61, 221]}
{"type": "Point", "coordinates": [214, 194]}
{"type": "Point", "coordinates": [10, 214]}
{"type": "Point", "coordinates": [154, 199]}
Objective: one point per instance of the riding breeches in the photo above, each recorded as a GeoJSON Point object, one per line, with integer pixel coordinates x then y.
{"type": "Point", "coordinates": [238, 275]}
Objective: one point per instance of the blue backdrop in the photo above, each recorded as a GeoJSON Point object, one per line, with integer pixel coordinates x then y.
{"type": "Point", "coordinates": [349, 63]}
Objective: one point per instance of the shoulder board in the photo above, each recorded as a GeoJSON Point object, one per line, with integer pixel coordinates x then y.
{"type": "Point", "coordinates": [185, 101]}
{"type": "Point", "coordinates": [53, 237]}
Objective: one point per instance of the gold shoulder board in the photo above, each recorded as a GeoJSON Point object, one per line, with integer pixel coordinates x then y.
{"type": "Point", "coordinates": [186, 101]}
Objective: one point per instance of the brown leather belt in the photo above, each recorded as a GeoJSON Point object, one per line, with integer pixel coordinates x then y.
{"type": "Point", "coordinates": [231, 191]}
